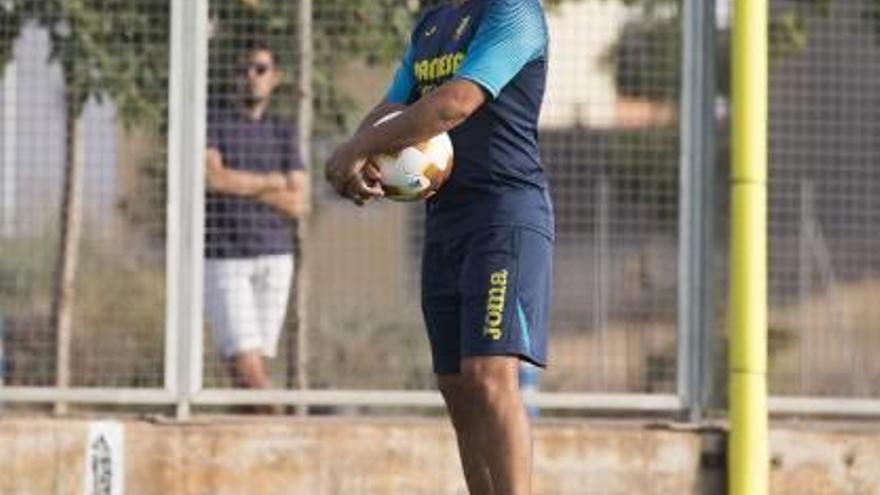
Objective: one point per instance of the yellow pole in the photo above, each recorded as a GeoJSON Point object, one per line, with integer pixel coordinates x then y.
{"type": "Point", "coordinates": [748, 466]}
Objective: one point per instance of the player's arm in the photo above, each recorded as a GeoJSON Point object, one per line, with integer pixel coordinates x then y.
{"type": "Point", "coordinates": [291, 200]}
{"type": "Point", "coordinates": [223, 180]}
{"type": "Point", "coordinates": [343, 170]}
{"type": "Point", "coordinates": [379, 111]}
{"type": "Point", "coordinates": [441, 110]}
{"type": "Point", "coordinates": [512, 35]}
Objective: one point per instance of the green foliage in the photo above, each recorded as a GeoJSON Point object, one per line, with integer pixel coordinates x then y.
{"type": "Point", "coordinates": [106, 48]}
{"type": "Point", "coordinates": [370, 31]}
{"type": "Point", "coordinates": [788, 27]}
{"type": "Point", "coordinates": [119, 308]}
{"type": "Point", "coordinates": [10, 22]}
{"type": "Point", "coordinates": [647, 58]}
{"type": "Point", "coordinates": [120, 48]}
{"type": "Point", "coordinates": [373, 31]}
{"type": "Point", "coordinates": [872, 15]}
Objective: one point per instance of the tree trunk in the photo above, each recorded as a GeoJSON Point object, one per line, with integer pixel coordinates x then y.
{"type": "Point", "coordinates": [65, 274]}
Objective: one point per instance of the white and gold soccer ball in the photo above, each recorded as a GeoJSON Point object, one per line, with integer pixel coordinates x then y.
{"type": "Point", "coordinates": [416, 172]}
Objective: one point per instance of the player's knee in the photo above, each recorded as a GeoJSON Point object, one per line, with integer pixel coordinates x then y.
{"type": "Point", "coordinates": [491, 378]}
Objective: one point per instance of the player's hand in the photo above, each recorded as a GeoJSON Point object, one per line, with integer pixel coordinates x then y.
{"type": "Point", "coordinates": [372, 173]}
{"type": "Point", "coordinates": [344, 172]}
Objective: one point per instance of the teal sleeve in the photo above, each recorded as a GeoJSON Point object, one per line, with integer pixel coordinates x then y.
{"type": "Point", "coordinates": [404, 81]}
{"type": "Point", "coordinates": [512, 34]}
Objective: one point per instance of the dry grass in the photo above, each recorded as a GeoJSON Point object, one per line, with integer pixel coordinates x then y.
{"type": "Point", "coordinates": [835, 336]}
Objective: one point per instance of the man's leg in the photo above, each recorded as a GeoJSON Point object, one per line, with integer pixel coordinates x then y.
{"type": "Point", "coordinates": [491, 424]}
{"type": "Point", "coordinates": [248, 370]}
{"type": "Point", "coordinates": [232, 310]}
{"type": "Point", "coordinates": [465, 420]}
{"type": "Point", "coordinates": [271, 289]}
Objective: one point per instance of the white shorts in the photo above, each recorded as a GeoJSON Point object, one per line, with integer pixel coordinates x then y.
{"type": "Point", "coordinates": [246, 302]}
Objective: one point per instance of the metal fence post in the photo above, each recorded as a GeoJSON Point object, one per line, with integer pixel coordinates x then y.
{"type": "Point", "coordinates": [298, 358]}
{"type": "Point", "coordinates": [696, 207]}
{"type": "Point", "coordinates": [186, 154]}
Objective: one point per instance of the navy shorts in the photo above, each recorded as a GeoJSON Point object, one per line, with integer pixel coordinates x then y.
{"type": "Point", "coordinates": [487, 294]}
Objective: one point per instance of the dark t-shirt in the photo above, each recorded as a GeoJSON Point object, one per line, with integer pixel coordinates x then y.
{"type": "Point", "coordinates": [497, 178]}
{"type": "Point", "coordinates": [241, 227]}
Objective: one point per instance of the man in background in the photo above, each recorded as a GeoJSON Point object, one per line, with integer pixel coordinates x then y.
{"type": "Point", "coordinates": [256, 190]}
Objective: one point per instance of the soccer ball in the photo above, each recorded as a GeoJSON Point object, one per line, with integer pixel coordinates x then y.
{"type": "Point", "coordinates": [416, 172]}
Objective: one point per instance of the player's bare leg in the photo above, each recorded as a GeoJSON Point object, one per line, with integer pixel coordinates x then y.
{"type": "Point", "coordinates": [486, 393]}
{"type": "Point", "coordinates": [465, 419]}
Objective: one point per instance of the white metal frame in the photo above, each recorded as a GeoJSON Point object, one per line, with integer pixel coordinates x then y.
{"type": "Point", "coordinates": [183, 385]}
{"type": "Point", "coordinates": [831, 406]}
{"type": "Point", "coordinates": [398, 398]}
{"type": "Point", "coordinates": [186, 182]}
{"type": "Point", "coordinates": [640, 403]}
{"type": "Point", "coordinates": [643, 403]}
{"type": "Point", "coordinates": [80, 395]}
{"type": "Point", "coordinates": [390, 398]}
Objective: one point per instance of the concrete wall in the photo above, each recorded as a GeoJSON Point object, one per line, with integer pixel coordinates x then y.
{"type": "Point", "coordinates": [412, 457]}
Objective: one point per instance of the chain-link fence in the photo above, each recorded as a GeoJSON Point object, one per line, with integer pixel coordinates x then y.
{"type": "Point", "coordinates": [85, 195]}
{"type": "Point", "coordinates": [824, 210]}
{"type": "Point", "coordinates": [84, 111]}
{"type": "Point", "coordinates": [610, 146]}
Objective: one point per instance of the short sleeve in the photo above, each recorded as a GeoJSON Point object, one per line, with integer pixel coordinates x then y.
{"type": "Point", "coordinates": [404, 81]}
{"type": "Point", "coordinates": [292, 159]}
{"type": "Point", "coordinates": [512, 34]}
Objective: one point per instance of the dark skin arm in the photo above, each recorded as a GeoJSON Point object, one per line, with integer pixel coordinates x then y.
{"type": "Point", "coordinates": [439, 111]}
{"type": "Point", "coordinates": [378, 112]}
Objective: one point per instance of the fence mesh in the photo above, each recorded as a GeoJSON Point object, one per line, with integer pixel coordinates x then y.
{"type": "Point", "coordinates": [82, 172]}
{"type": "Point", "coordinates": [824, 256]}
{"type": "Point", "coordinates": [84, 98]}
{"type": "Point", "coordinates": [610, 149]}
{"type": "Point", "coordinates": [610, 146]}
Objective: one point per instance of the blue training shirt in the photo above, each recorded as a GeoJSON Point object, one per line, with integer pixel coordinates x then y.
{"type": "Point", "coordinates": [501, 45]}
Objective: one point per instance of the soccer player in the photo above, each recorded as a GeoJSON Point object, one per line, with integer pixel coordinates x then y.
{"type": "Point", "coordinates": [477, 69]}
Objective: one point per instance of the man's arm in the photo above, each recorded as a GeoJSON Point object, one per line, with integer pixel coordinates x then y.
{"type": "Point", "coordinates": [379, 111]}
{"type": "Point", "coordinates": [439, 111]}
{"type": "Point", "coordinates": [291, 200]}
{"type": "Point", "coordinates": [223, 180]}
